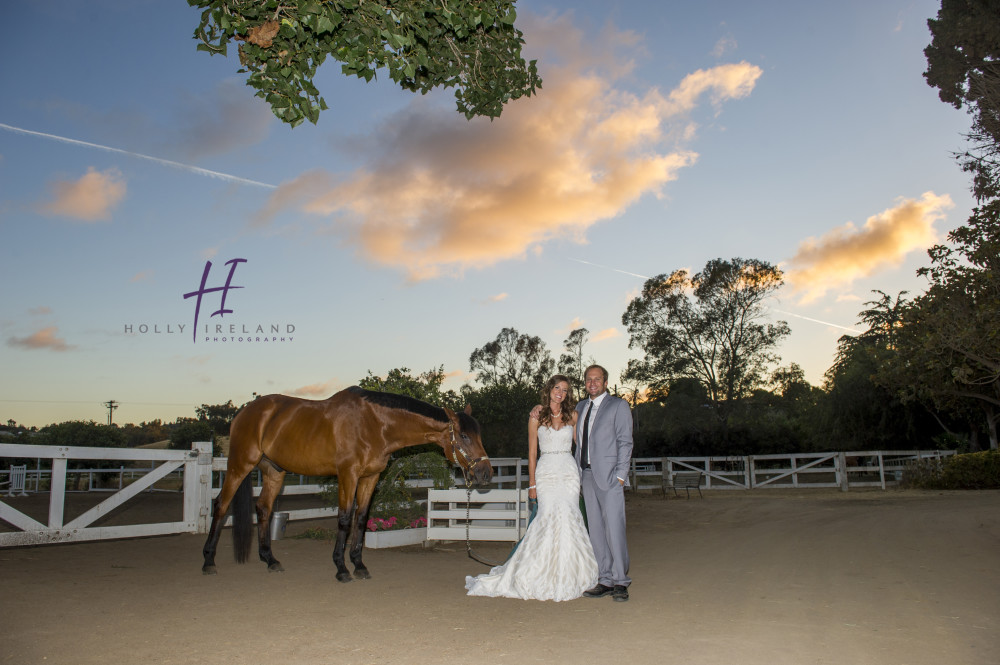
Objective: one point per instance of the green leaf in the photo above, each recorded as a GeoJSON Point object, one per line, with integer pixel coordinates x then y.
{"type": "Point", "coordinates": [324, 24]}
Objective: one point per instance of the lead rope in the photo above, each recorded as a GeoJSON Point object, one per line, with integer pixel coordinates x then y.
{"type": "Point", "coordinates": [468, 524]}
{"type": "Point", "coordinates": [468, 497]}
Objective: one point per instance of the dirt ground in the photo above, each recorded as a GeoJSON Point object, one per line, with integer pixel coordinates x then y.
{"type": "Point", "coordinates": [769, 577]}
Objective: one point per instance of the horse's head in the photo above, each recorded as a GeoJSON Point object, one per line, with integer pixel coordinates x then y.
{"type": "Point", "coordinates": [465, 446]}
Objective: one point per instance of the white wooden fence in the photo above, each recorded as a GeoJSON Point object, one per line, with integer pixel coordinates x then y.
{"type": "Point", "coordinates": [844, 470]}
{"type": "Point", "coordinates": [196, 485]}
{"type": "Point", "coordinates": [496, 514]}
{"type": "Point", "coordinates": [499, 514]}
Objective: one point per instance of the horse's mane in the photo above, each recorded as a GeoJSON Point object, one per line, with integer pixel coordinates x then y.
{"type": "Point", "coordinates": [404, 402]}
{"type": "Point", "coordinates": [466, 422]}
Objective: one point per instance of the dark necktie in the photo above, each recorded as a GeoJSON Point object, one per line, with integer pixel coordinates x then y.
{"type": "Point", "coordinates": [584, 447]}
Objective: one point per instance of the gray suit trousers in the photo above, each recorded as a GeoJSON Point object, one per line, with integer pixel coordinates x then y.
{"type": "Point", "coordinates": [606, 523]}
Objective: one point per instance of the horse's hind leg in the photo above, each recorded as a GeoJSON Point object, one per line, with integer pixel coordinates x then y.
{"type": "Point", "coordinates": [366, 487]}
{"type": "Point", "coordinates": [271, 487]}
{"type": "Point", "coordinates": [219, 509]}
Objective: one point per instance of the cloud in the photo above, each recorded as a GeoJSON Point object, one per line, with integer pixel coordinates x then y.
{"type": "Point", "coordinates": [438, 194]}
{"type": "Point", "coordinates": [43, 339]}
{"type": "Point", "coordinates": [40, 310]}
{"type": "Point", "coordinates": [723, 46]}
{"type": "Point", "coordinates": [91, 198]}
{"type": "Point", "coordinates": [607, 333]}
{"type": "Point", "coordinates": [315, 390]}
{"type": "Point", "coordinates": [848, 253]}
{"type": "Point", "coordinates": [497, 298]}
{"type": "Point", "coordinates": [577, 322]}
{"type": "Point", "coordinates": [228, 118]}
{"type": "Point", "coordinates": [141, 276]}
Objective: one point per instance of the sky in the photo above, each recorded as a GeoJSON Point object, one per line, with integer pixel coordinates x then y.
{"type": "Point", "coordinates": [395, 233]}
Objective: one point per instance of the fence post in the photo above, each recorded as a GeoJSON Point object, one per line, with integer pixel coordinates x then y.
{"type": "Point", "coordinates": [842, 471]}
{"type": "Point", "coordinates": [57, 491]}
{"type": "Point", "coordinates": [198, 487]}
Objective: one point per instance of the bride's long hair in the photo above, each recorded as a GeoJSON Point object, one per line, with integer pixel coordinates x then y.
{"type": "Point", "coordinates": [568, 404]}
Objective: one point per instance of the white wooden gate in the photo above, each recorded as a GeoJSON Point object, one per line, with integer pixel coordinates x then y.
{"type": "Point", "coordinates": [196, 464]}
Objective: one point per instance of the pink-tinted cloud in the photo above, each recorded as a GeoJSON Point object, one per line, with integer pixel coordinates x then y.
{"type": "Point", "coordinates": [323, 390]}
{"type": "Point", "coordinates": [848, 253]}
{"type": "Point", "coordinates": [607, 333]}
{"type": "Point", "coordinates": [43, 339]}
{"type": "Point", "coordinates": [91, 198]}
{"type": "Point", "coordinates": [439, 195]}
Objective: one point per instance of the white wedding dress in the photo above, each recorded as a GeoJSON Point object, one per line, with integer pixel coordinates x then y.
{"type": "Point", "coordinates": [555, 560]}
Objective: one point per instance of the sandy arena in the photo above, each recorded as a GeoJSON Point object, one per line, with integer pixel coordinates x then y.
{"type": "Point", "coordinates": [763, 578]}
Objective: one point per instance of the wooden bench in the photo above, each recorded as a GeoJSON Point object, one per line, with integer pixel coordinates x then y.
{"type": "Point", "coordinates": [686, 480]}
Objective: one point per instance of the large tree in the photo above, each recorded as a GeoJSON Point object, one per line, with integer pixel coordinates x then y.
{"type": "Point", "coordinates": [859, 412]}
{"type": "Point", "coordinates": [468, 45]}
{"type": "Point", "coordinates": [512, 359]}
{"type": "Point", "coordinates": [710, 327]}
{"type": "Point", "coordinates": [963, 63]}
{"type": "Point", "coordinates": [571, 362]}
{"type": "Point", "coordinates": [949, 344]}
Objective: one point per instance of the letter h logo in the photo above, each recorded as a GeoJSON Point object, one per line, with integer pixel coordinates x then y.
{"type": "Point", "coordinates": [222, 311]}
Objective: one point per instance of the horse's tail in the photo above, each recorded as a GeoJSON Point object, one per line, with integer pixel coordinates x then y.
{"type": "Point", "coordinates": [243, 520]}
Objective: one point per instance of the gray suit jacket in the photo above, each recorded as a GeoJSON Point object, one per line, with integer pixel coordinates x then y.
{"type": "Point", "coordinates": [610, 440]}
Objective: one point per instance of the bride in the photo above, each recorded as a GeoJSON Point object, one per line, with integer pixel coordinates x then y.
{"type": "Point", "coordinates": [555, 560]}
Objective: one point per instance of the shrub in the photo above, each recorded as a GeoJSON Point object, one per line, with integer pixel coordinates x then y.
{"type": "Point", "coordinates": [972, 471]}
{"type": "Point", "coordinates": [392, 497]}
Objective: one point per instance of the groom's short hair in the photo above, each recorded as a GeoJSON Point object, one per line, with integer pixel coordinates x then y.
{"type": "Point", "coordinates": [603, 371]}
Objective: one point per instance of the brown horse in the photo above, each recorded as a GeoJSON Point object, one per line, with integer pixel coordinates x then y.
{"type": "Point", "coordinates": [350, 435]}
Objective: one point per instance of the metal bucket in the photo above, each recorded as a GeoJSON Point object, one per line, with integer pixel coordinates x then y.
{"type": "Point", "coordinates": [278, 523]}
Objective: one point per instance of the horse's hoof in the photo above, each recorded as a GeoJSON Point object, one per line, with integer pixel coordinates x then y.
{"type": "Point", "coordinates": [275, 568]}
{"type": "Point", "coordinates": [362, 574]}
{"type": "Point", "coordinates": [344, 577]}
{"type": "Point", "coordinates": [208, 570]}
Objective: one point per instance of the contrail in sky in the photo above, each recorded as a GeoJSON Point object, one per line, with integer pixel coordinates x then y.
{"type": "Point", "coordinates": [166, 162]}
{"type": "Point", "coordinates": [798, 316]}
{"type": "Point", "coordinates": [597, 265]}
{"type": "Point", "coordinates": [825, 323]}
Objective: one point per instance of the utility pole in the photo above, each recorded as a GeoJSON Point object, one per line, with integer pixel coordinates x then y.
{"type": "Point", "coordinates": [112, 405]}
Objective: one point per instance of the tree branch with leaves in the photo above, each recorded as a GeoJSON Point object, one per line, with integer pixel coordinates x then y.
{"type": "Point", "coordinates": [469, 45]}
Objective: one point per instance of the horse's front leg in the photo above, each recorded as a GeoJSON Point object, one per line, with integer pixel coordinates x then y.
{"type": "Point", "coordinates": [343, 528]}
{"type": "Point", "coordinates": [345, 511]}
{"type": "Point", "coordinates": [366, 487]}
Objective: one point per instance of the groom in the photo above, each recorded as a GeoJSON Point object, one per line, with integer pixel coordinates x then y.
{"type": "Point", "coordinates": [604, 433]}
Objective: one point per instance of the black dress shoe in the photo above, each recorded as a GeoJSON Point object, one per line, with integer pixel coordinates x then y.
{"type": "Point", "coordinates": [620, 593]}
{"type": "Point", "coordinates": [598, 591]}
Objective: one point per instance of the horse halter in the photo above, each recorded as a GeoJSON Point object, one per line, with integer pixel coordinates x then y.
{"type": "Point", "coordinates": [455, 449]}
